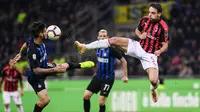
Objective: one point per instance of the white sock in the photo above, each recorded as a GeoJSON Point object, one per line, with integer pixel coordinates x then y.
{"type": "Point", "coordinates": [7, 109]}
{"type": "Point", "coordinates": [20, 109]}
{"type": "Point", "coordinates": [98, 44]}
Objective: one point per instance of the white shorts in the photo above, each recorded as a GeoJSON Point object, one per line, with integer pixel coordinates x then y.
{"type": "Point", "coordinates": [14, 95]}
{"type": "Point", "coordinates": [148, 60]}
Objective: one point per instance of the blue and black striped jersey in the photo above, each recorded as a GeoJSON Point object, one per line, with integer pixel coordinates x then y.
{"type": "Point", "coordinates": [106, 58]}
{"type": "Point", "coordinates": [37, 55]}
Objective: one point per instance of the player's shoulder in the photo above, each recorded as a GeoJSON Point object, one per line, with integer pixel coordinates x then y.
{"type": "Point", "coordinates": [163, 24]}
{"type": "Point", "coordinates": [6, 68]}
{"type": "Point", "coordinates": [145, 18]}
{"type": "Point", "coordinates": [17, 70]}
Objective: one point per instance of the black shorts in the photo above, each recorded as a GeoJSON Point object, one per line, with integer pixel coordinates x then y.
{"type": "Point", "coordinates": [97, 84]}
{"type": "Point", "coordinates": [37, 83]}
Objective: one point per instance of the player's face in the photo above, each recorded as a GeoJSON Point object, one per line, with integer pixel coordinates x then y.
{"type": "Point", "coordinates": [11, 63]}
{"type": "Point", "coordinates": [102, 36]}
{"type": "Point", "coordinates": [153, 14]}
{"type": "Point", "coordinates": [43, 34]}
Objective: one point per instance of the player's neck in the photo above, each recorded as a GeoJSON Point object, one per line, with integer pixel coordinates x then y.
{"type": "Point", "coordinates": [38, 41]}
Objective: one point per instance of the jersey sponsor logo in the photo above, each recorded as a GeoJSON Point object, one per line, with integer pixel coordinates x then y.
{"type": "Point", "coordinates": [44, 57]}
{"type": "Point", "coordinates": [150, 36]}
{"type": "Point", "coordinates": [103, 60]}
{"type": "Point", "coordinates": [34, 56]}
{"type": "Point", "coordinates": [10, 79]}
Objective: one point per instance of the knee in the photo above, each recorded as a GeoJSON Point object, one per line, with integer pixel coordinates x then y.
{"type": "Point", "coordinates": [46, 101]}
{"type": "Point", "coordinates": [7, 105]}
{"type": "Point", "coordinates": [86, 97]}
{"type": "Point", "coordinates": [154, 82]}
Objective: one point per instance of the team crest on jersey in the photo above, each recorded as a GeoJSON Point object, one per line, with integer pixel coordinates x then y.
{"type": "Point", "coordinates": [39, 86]}
{"type": "Point", "coordinates": [34, 56]}
{"type": "Point", "coordinates": [156, 30]}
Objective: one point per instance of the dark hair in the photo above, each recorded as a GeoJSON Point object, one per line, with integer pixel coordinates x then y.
{"type": "Point", "coordinates": [36, 28]}
{"type": "Point", "coordinates": [157, 6]}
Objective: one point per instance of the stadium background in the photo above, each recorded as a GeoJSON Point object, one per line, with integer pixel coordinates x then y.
{"type": "Point", "coordinates": [81, 19]}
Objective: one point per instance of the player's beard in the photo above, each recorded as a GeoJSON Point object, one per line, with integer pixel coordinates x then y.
{"type": "Point", "coordinates": [44, 37]}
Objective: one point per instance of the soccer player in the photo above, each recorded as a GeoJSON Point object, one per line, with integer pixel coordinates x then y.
{"type": "Point", "coordinates": [40, 69]}
{"type": "Point", "coordinates": [105, 76]}
{"type": "Point", "coordinates": [153, 34]}
{"type": "Point", "coordinates": [11, 75]}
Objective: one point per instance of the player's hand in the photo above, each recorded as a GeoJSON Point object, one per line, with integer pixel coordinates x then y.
{"type": "Point", "coordinates": [157, 53]}
{"type": "Point", "coordinates": [143, 35]}
{"type": "Point", "coordinates": [17, 58]}
{"type": "Point", "coordinates": [22, 93]}
{"type": "Point", "coordinates": [125, 79]}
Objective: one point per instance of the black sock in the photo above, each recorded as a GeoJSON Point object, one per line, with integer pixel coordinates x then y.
{"type": "Point", "coordinates": [86, 105]}
{"type": "Point", "coordinates": [102, 108]}
{"type": "Point", "coordinates": [73, 66]}
{"type": "Point", "coordinates": [37, 108]}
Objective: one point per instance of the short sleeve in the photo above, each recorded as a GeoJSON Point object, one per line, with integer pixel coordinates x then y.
{"type": "Point", "coordinates": [141, 24]}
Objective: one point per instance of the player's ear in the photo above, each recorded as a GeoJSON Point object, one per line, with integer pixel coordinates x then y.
{"type": "Point", "coordinates": [159, 14]}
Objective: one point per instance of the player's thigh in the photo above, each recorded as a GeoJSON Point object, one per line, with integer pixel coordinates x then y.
{"type": "Point", "coordinates": [149, 61]}
{"type": "Point", "coordinates": [43, 94]}
{"type": "Point", "coordinates": [6, 97]}
{"type": "Point", "coordinates": [94, 85]}
{"type": "Point", "coordinates": [16, 98]}
{"type": "Point", "coordinates": [106, 87]}
{"type": "Point", "coordinates": [153, 74]}
{"type": "Point", "coordinates": [119, 42]}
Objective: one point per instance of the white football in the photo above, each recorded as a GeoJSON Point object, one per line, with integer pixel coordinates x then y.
{"type": "Point", "coordinates": [53, 32]}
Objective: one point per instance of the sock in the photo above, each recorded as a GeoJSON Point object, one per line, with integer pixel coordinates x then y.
{"type": "Point", "coordinates": [86, 105]}
{"type": "Point", "coordinates": [37, 108]}
{"type": "Point", "coordinates": [98, 44]}
{"type": "Point", "coordinates": [102, 108]}
{"type": "Point", "coordinates": [73, 65]}
{"type": "Point", "coordinates": [7, 109]}
{"type": "Point", "coordinates": [20, 109]}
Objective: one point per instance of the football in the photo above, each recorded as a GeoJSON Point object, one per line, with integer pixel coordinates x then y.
{"type": "Point", "coordinates": [53, 32]}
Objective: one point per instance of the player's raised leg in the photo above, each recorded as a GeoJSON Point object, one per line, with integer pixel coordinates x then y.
{"type": "Point", "coordinates": [70, 65]}
{"type": "Point", "coordinates": [120, 42]}
{"type": "Point", "coordinates": [153, 77]}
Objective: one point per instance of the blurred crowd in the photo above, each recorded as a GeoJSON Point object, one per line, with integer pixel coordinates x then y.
{"type": "Point", "coordinates": [72, 16]}
{"type": "Point", "coordinates": [183, 56]}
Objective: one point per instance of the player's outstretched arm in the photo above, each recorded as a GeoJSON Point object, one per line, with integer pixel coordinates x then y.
{"type": "Point", "coordinates": [21, 53]}
{"type": "Point", "coordinates": [57, 69]}
{"type": "Point", "coordinates": [125, 71]}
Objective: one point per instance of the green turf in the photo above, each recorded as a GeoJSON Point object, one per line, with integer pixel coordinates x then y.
{"type": "Point", "coordinates": [66, 96]}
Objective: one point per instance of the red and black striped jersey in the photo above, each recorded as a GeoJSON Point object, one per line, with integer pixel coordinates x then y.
{"type": "Point", "coordinates": [11, 78]}
{"type": "Point", "coordinates": [157, 32]}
